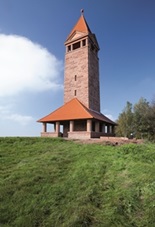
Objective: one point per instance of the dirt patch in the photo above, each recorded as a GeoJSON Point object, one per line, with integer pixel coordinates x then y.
{"type": "Point", "coordinates": [113, 141]}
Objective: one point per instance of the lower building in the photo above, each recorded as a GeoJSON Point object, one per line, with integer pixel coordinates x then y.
{"type": "Point", "coordinates": [75, 121]}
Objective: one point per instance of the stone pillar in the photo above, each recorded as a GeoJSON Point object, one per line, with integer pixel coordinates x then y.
{"type": "Point", "coordinates": [57, 127]}
{"type": "Point", "coordinates": [87, 42]}
{"type": "Point", "coordinates": [71, 126]}
{"type": "Point", "coordinates": [89, 125]}
{"type": "Point", "coordinates": [97, 126]}
{"type": "Point", "coordinates": [44, 127]}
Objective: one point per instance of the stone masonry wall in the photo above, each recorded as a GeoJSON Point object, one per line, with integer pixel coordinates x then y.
{"type": "Point", "coordinates": [94, 88]}
{"type": "Point", "coordinates": [76, 65]}
{"type": "Point", "coordinates": [81, 78]}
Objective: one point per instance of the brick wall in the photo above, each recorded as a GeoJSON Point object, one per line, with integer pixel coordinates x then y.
{"type": "Point", "coordinates": [79, 135]}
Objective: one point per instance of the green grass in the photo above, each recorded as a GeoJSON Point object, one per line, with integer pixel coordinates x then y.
{"type": "Point", "coordinates": [48, 182]}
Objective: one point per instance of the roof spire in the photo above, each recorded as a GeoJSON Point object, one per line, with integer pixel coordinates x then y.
{"type": "Point", "coordinates": [82, 11]}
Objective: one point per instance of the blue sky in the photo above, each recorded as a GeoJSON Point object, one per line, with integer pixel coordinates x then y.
{"type": "Point", "coordinates": [32, 36]}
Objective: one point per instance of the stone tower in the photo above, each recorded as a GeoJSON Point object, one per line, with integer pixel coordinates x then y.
{"type": "Point", "coordinates": [81, 76]}
{"type": "Point", "coordinates": [80, 116]}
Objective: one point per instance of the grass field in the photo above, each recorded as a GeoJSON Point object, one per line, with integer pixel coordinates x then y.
{"type": "Point", "coordinates": [48, 182]}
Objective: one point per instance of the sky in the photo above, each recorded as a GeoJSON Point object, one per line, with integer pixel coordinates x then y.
{"type": "Point", "coordinates": [32, 36]}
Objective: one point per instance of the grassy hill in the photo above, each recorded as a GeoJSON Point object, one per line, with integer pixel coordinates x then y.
{"type": "Point", "coordinates": [56, 183]}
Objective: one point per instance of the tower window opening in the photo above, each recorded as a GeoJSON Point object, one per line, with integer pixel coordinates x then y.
{"type": "Point", "coordinates": [75, 77]}
{"type": "Point", "coordinates": [75, 93]}
{"type": "Point", "coordinates": [84, 42]}
{"type": "Point", "coordinates": [76, 45]}
{"type": "Point", "coordinates": [69, 48]}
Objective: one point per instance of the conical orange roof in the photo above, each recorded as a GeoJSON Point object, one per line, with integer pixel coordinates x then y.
{"type": "Point", "coordinates": [74, 110]}
{"type": "Point", "coordinates": [81, 26]}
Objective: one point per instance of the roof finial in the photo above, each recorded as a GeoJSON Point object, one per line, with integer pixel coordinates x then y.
{"type": "Point", "coordinates": [82, 11]}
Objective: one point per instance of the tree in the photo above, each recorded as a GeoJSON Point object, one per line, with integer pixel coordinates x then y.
{"type": "Point", "coordinates": [141, 118]}
{"type": "Point", "coordinates": [125, 122]}
{"type": "Point", "coordinates": [151, 120]}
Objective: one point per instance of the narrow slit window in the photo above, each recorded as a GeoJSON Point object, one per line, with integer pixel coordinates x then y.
{"type": "Point", "coordinates": [75, 77]}
{"type": "Point", "coordinates": [75, 93]}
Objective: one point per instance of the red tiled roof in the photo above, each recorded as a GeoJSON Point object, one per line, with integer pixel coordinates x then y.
{"type": "Point", "coordinates": [80, 26]}
{"type": "Point", "coordinates": [74, 110]}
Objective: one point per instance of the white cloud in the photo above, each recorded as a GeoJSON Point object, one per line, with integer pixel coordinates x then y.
{"type": "Point", "coordinates": [4, 110]}
{"type": "Point", "coordinates": [26, 66]}
{"type": "Point", "coordinates": [21, 119]}
{"type": "Point", "coordinates": [6, 113]}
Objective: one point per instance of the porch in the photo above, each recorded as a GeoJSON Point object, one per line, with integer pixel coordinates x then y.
{"type": "Point", "coordinates": [79, 129]}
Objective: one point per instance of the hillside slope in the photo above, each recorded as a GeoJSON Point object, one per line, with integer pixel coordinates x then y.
{"type": "Point", "coordinates": [52, 182]}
